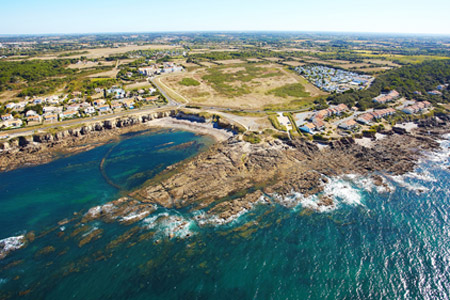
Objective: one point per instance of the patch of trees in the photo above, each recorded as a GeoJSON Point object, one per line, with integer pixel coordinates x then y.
{"type": "Point", "coordinates": [407, 80]}
{"type": "Point", "coordinates": [13, 72]}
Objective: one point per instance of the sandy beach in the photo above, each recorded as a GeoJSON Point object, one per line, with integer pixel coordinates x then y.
{"type": "Point", "coordinates": [200, 128]}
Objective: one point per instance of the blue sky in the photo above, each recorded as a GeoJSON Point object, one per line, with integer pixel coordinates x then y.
{"type": "Point", "coordinates": [83, 16]}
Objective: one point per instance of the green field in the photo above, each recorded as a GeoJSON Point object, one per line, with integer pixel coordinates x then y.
{"type": "Point", "coordinates": [290, 90]}
{"type": "Point", "coordinates": [189, 82]}
{"type": "Point", "coordinates": [222, 82]}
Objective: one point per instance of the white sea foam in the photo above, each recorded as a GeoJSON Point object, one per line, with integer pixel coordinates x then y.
{"type": "Point", "coordinates": [169, 225]}
{"type": "Point", "coordinates": [343, 191]}
{"type": "Point", "coordinates": [367, 184]}
{"type": "Point", "coordinates": [11, 244]}
{"type": "Point", "coordinates": [176, 226]}
{"type": "Point", "coordinates": [338, 189]}
{"type": "Point", "coordinates": [95, 211]}
{"type": "Point", "coordinates": [136, 215]}
{"type": "Point", "coordinates": [204, 219]}
{"type": "Point", "coordinates": [423, 175]}
{"type": "Point", "coordinates": [150, 222]}
{"type": "Point", "coordinates": [415, 187]}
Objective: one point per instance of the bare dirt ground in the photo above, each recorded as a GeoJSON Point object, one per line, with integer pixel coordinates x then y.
{"type": "Point", "coordinates": [382, 62]}
{"type": "Point", "coordinates": [90, 64]}
{"type": "Point", "coordinates": [373, 70]}
{"type": "Point", "coordinates": [258, 98]}
{"type": "Point", "coordinates": [108, 74]}
{"type": "Point", "coordinates": [230, 61]}
{"type": "Point", "coordinates": [357, 65]}
{"type": "Point", "coordinates": [7, 96]}
{"type": "Point", "coordinates": [255, 60]}
{"type": "Point", "coordinates": [189, 65]}
{"type": "Point", "coordinates": [207, 64]}
{"type": "Point", "coordinates": [274, 59]}
{"type": "Point", "coordinates": [294, 63]}
{"type": "Point", "coordinates": [253, 123]}
{"type": "Point", "coordinates": [144, 84]}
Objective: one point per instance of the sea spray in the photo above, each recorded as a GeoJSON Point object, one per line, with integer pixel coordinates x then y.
{"type": "Point", "coordinates": [11, 244]}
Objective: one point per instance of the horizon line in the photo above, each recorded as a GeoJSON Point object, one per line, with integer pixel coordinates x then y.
{"type": "Point", "coordinates": [225, 31]}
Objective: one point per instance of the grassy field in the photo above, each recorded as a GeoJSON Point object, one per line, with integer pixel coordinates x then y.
{"type": "Point", "coordinates": [290, 90]}
{"type": "Point", "coordinates": [189, 82]}
{"type": "Point", "coordinates": [242, 86]}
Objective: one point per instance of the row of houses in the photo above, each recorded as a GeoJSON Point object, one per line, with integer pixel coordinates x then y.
{"type": "Point", "coordinates": [53, 114]}
{"type": "Point", "coordinates": [167, 67]}
{"type": "Point", "coordinates": [416, 108]}
{"type": "Point", "coordinates": [385, 98]}
{"type": "Point", "coordinates": [332, 111]}
{"type": "Point", "coordinates": [317, 120]}
{"type": "Point", "coordinates": [376, 114]}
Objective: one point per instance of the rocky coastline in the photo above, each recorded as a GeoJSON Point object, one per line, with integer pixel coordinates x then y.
{"type": "Point", "coordinates": [219, 185]}
{"type": "Point", "coordinates": [41, 148]}
{"type": "Point", "coordinates": [234, 175]}
{"type": "Point", "coordinates": [224, 182]}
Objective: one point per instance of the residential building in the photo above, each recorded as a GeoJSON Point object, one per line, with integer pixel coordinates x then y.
{"type": "Point", "coordinates": [21, 105]}
{"type": "Point", "coordinates": [365, 118]}
{"type": "Point", "coordinates": [7, 117]}
{"type": "Point", "coordinates": [11, 105]}
{"type": "Point", "coordinates": [52, 109]}
{"type": "Point", "coordinates": [15, 123]}
{"type": "Point", "coordinates": [129, 103]}
{"type": "Point", "coordinates": [103, 109]}
{"type": "Point", "coordinates": [117, 92]}
{"type": "Point", "coordinates": [416, 108]}
{"type": "Point", "coordinates": [384, 98]}
{"type": "Point", "coordinates": [34, 119]}
{"type": "Point", "coordinates": [51, 118]}
{"type": "Point", "coordinates": [89, 110]}
{"type": "Point", "coordinates": [30, 113]}
{"type": "Point", "coordinates": [38, 101]}
{"type": "Point", "coordinates": [149, 99]}
{"type": "Point", "coordinates": [349, 124]}
{"type": "Point", "coordinates": [319, 124]}
{"type": "Point", "coordinates": [308, 128]}
{"type": "Point", "coordinates": [116, 106]}
{"type": "Point", "coordinates": [99, 102]}
{"type": "Point", "coordinates": [68, 114]}
{"type": "Point", "coordinates": [73, 107]}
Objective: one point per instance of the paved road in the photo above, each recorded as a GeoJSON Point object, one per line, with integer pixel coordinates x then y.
{"type": "Point", "coordinates": [162, 88]}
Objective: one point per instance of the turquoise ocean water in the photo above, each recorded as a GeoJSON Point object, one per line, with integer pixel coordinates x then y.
{"type": "Point", "coordinates": [375, 244]}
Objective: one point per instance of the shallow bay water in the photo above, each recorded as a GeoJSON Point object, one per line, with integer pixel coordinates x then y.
{"type": "Point", "coordinates": [375, 244]}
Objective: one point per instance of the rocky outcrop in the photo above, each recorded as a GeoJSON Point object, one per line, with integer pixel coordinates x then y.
{"type": "Point", "coordinates": [215, 179]}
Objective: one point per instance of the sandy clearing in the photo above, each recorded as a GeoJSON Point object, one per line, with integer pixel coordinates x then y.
{"type": "Point", "coordinates": [144, 84]}
{"type": "Point", "coordinates": [294, 63]}
{"type": "Point", "coordinates": [200, 128]}
{"type": "Point", "coordinates": [207, 64]}
{"type": "Point", "coordinates": [230, 61]}
{"type": "Point", "coordinates": [205, 94]}
{"type": "Point", "coordinates": [373, 70]}
{"type": "Point", "coordinates": [382, 62]}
